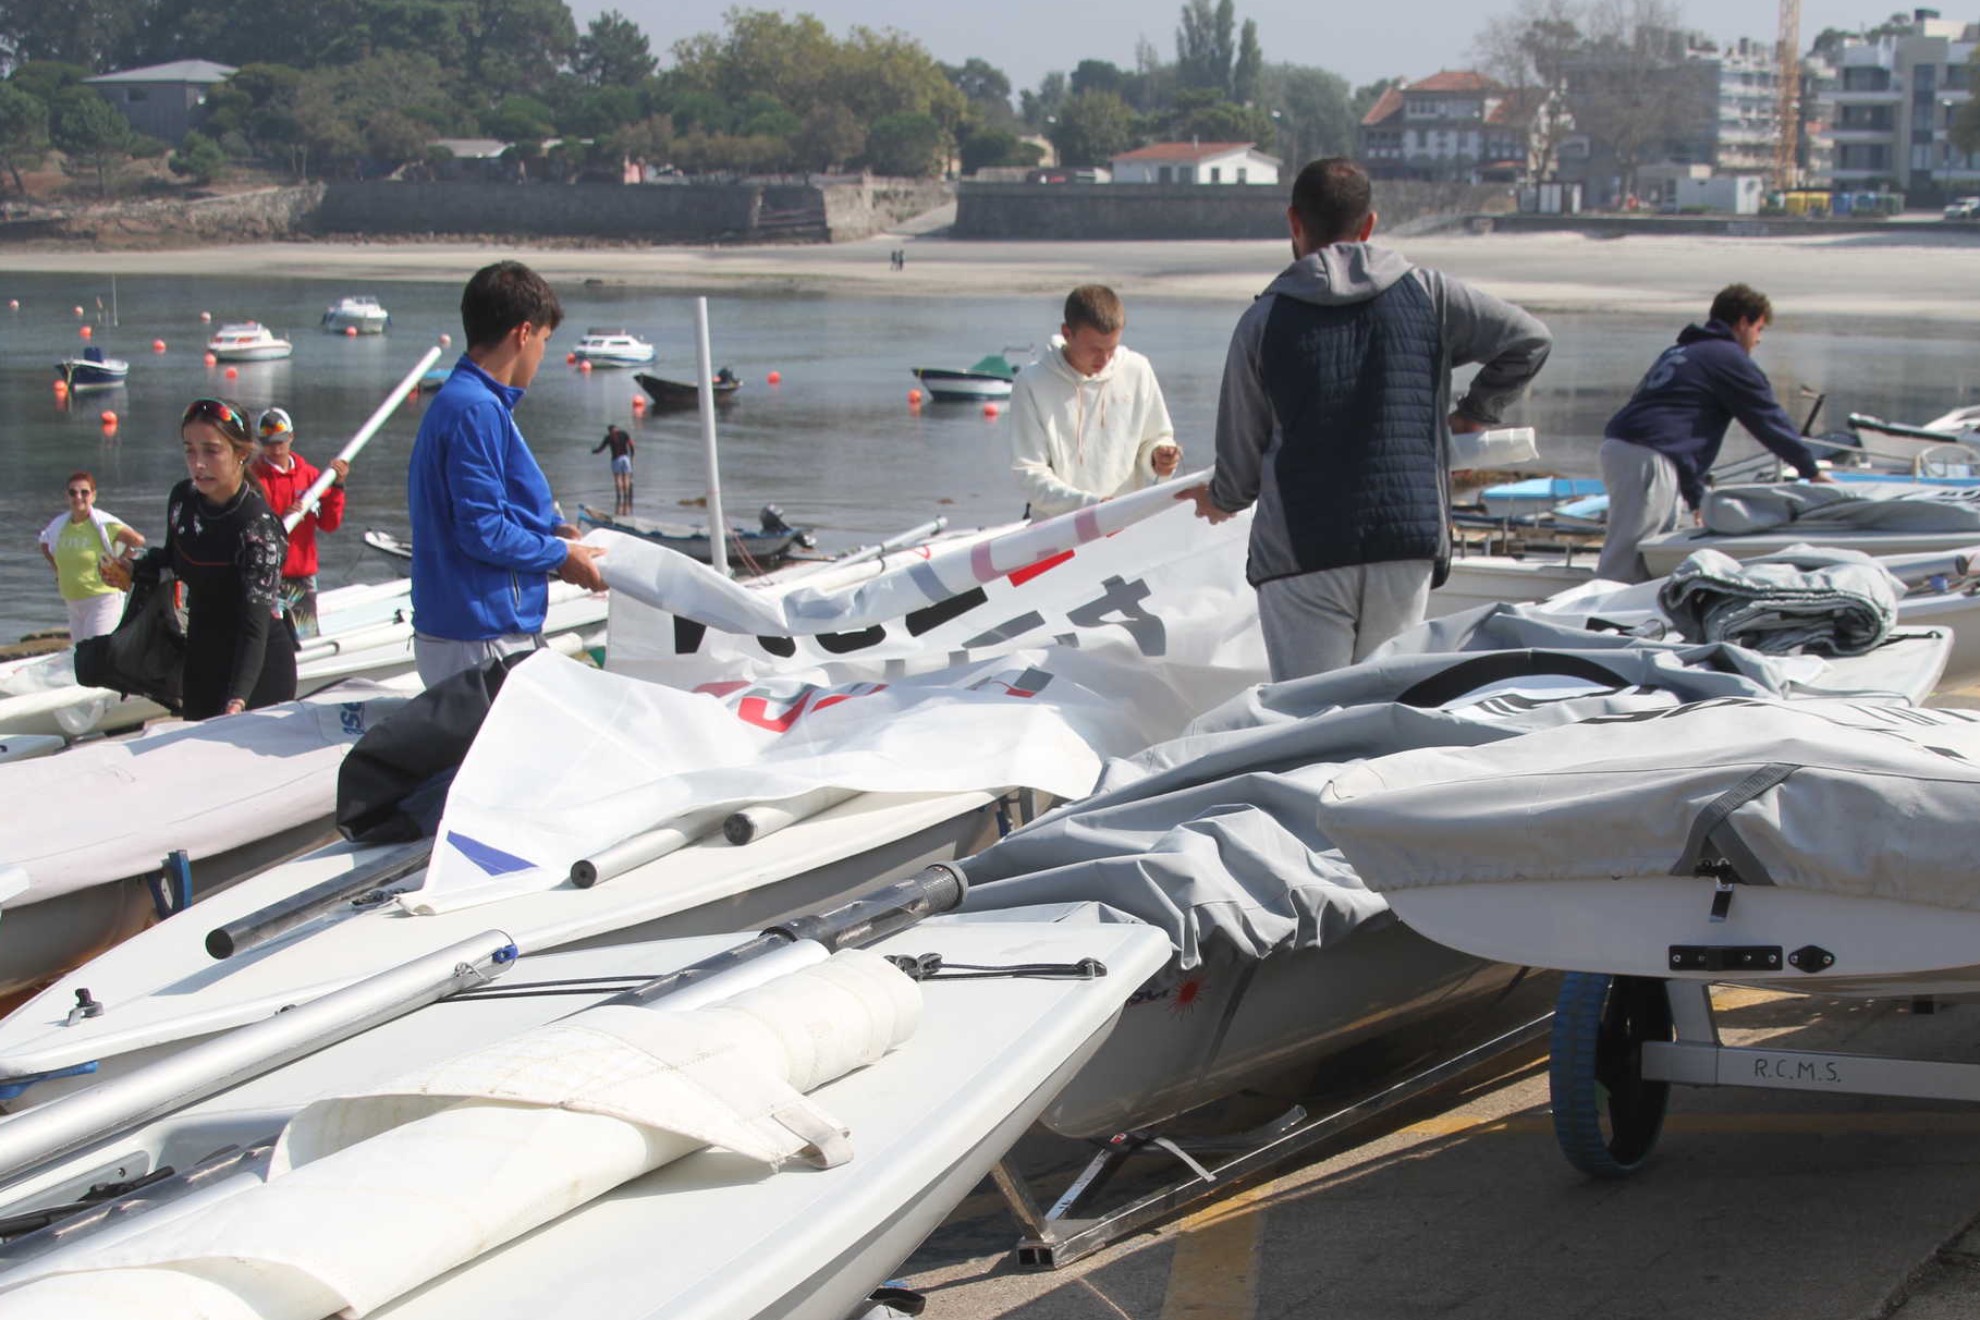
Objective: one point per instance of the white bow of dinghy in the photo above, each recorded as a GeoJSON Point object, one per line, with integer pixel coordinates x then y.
{"type": "Point", "coordinates": [458, 1158]}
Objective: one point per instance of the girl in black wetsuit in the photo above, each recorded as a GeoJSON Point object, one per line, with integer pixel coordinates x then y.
{"type": "Point", "coordinates": [224, 543]}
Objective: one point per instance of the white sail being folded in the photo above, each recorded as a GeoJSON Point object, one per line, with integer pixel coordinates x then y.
{"type": "Point", "coordinates": [372, 1195]}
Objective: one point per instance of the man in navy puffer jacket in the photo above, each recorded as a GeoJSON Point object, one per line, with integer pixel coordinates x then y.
{"type": "Point", "coordinates": [1335, 420]}
{"type": "Point", "coordinates": [1666, 438]}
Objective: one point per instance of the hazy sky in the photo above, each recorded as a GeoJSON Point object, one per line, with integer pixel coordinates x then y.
{"type": "Point", "coordinates": [1362, 42]}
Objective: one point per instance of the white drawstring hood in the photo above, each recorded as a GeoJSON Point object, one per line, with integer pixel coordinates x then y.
{"type": "Point", "coordinates": [1077, 440]}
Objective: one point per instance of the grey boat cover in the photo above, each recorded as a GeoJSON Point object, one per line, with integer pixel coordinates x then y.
{"type": "Point", "coordinates": [1829, 601]}
{"type": "Point", "coordinates": [1817, 510]}
{"type": "Point", "coordinates": [1835, 796]}
{"type": "Point", "coordinates": [1215, 836]}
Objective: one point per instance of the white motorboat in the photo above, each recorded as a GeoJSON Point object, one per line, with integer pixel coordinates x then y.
{"type": "Point", "coordinates": [921, 1089]}
{"type": "Point", "coordinates": [248, 341]}
{"type": "Point", "coordinates": [989, 379]}
{"type": "Point", "coordinates": [359, 312]}
{"type": "Point", "coordinates": [612, 348]}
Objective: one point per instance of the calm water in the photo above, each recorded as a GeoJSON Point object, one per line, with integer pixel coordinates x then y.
{"type": "Point", "coordinates": [835, 444]}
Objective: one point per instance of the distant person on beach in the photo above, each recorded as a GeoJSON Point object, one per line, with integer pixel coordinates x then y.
{"type": "Point", "coordinates": [74, 545]}
{"type": "Point", "coordinates": [1088, 422]}
{"type": "Point", "coordinates": [1336, 417]}
{"type": "Point", "coordinates": [226, 546]}
{"type": "Point", "coordinates": [487, 536]}
{"type": "Point", "coordinates": [1667, 437]}
{"type": "Point", "coordinates": [286, 477]}
{"type": "Point", "coordinates": [620, 442]}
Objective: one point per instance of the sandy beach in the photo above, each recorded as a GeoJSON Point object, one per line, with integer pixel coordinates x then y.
{"type": "Point", "coordinates": [1915, 273]}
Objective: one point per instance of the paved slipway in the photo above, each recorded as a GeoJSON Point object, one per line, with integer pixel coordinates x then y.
{"type": "Point", "coordinates": [1760, 1205]}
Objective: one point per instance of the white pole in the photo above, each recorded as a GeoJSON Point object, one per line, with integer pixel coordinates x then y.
{"type": "Point", "coordinates": [358, 441]}
{"type": "Point", "coordinates": [718, 527]}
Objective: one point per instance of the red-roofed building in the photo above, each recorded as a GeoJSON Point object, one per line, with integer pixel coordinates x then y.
{"type": "Point", "coordinates": [1196, 162]}
{"type": "Point", "coordinates": [1455, 124]}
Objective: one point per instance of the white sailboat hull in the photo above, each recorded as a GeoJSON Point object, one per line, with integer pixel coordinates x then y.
{"type": "Point", "coordinates": [711, 1235]}
{"type": "Point", "coordinates": [167, 990]}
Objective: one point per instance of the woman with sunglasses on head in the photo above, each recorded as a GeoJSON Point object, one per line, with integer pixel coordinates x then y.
{"type": "Point", "coordinates": [227, 546]}
{"type": "Point", "coordinates": [74, 545]}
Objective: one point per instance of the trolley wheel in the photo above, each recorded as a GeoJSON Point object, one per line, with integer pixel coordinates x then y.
{"type": "Point", "coordinates": [1606, 1114]}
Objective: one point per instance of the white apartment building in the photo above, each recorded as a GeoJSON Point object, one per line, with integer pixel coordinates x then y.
{"type": "Point", "coordinates": [1895, 99]}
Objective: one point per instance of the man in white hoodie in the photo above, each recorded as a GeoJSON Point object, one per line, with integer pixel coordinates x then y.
{"type": "Point", "coordinates": [1088, 423]}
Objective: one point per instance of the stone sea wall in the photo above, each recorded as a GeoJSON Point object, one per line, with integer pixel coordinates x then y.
{"type": "Point", "coordinates": [1156, 211]}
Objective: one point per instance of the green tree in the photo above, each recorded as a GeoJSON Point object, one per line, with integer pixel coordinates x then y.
{"type": "Point", "coordinates": [95, 34]}
{"type": "Point", "coordinates": [1315, 113]}
{"type": "Point", "coordinates": [986, 90]}
{"type": "Point", "coordinates": [1249, 64]}
{"type": "Point", "coordinates": [996, 148]}
{"type": "Point", "coordinates": [513, 46]}
{"type": "Point", "coordinates": [393, 138]}
{"type": "Point", "coordinates": [613, 52]}
{"type": "Point", "coordinates": [198, 158]}
{"type": "Point", "coordinates": [830, 137]}
{"type": "Point", "coordinates": [91, 133]}
{"type": "Point", "coordinates": [1205, 45]}
{"type": "Point", "coordinates": [649, 141]}
{"type": "Point", "coordinates": [1093, 128]}
{"type": "Point", "coordinates": [23, 130]}
{"type": "Point", "coordinates": [42, 79]}
{"type": "Point", "coordinates": [1204, 116]}
{"type": "Point", "coordinates": [1039, 108]}
{"type": "Point", "coordinates": [909, 145]}
{"type": "Point", "coordinates": [1097, 76]}
{"type": "Point", "coordinates": [520, 119]}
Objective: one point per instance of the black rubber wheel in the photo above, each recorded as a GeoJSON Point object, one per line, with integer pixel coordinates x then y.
{"type": "Point", "coordinates": [1606, 1115]}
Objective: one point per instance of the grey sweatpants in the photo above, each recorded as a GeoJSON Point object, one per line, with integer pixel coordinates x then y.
{"type": "Point", "coordinates": [443, 657]}
{"type": "Point", "coordinates": [1315, 622]}
{"type": "Point", "coordinates": [1643, 502]}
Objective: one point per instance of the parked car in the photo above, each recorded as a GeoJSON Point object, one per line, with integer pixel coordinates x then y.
{"type": "Point", "coordinates": [1966, 208]}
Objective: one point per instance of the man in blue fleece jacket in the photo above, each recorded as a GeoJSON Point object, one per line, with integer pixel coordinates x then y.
{"type": "Point", "coordinates": [1667, 437]}
{"type": "Point", "coordinates": [486, 536]}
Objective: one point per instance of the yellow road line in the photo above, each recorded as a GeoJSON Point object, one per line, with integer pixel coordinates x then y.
{"type": "Point", "coordinates": [1214, 1273]}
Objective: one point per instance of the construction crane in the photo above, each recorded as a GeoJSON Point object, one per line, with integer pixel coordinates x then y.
{"type": "Point", "coordinates": [1787, 59]}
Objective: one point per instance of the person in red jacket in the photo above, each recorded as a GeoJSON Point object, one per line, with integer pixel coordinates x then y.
{"type": "Point", "coordinates": [286, 475]}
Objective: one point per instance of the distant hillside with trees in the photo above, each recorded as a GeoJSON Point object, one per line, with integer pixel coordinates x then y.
{"type": "Point", "coordinates": [364, 88]}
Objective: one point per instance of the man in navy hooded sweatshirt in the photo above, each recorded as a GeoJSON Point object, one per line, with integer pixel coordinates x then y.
{"type": "Point", "coordinates": [1335, 420]}
{"type": "Point", "coordinates": [1666, 438]}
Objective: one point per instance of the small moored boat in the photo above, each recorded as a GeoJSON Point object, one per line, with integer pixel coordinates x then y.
{"type": "Point", "coordinates": [685, 394]}
{"type": "Point", "coordinates": [765, 545]}
{"type": "Point", "coordinates": [92, 371]}
{"type": "Point", "coordinates": [612, 348]}
{"type": "Point", "coordinates": [988, 378]}
{"type": "Point", "coordinates": [359, 312]}
{"type": "Point", "coordinates": [248, 341]}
